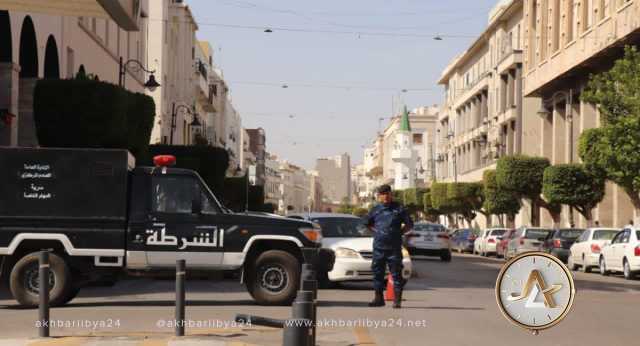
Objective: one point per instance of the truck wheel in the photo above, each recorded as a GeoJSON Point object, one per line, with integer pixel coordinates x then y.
{"type": "Point", "coordinates": [273, 278]}
{"type": "Point", "coordinates": [24, 280]}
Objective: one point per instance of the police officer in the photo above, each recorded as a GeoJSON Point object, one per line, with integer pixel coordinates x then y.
{"type": "Point", "coordinates": [389, 221]}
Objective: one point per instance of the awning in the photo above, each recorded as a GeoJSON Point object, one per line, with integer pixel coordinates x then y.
{"type": "Point", "coordinates": [124, 12]}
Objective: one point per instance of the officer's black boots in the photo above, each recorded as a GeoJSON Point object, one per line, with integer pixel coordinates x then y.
{"type": "Point", "coordinates": [378, 300]}
{"type": "Point", "coordinates": [397, 301]}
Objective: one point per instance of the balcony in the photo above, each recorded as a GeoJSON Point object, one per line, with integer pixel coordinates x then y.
{"type": "Point", "coordinates": [401, 154]}
{"type": "Point", "coordinates": [509, 59]}
{"type": "Point", "coordinates": [203, 89]}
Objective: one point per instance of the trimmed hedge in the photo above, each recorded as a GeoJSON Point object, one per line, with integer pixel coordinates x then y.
{"type": "Point", "coordinates": [86, 113]}
{"type": "Point", "coordinates": [521, 175]}
{"type": "Point", "coordinates": [571, 184]}
{"type": "Point", "coordinates": [498, 201]}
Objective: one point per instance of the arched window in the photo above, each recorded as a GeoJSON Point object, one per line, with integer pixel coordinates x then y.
{"type": "Point", "coordinates": [51, 61]}
{"type": "Point", "coordinates": [28, 50]}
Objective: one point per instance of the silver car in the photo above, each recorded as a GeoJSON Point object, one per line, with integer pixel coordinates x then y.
{"type": "Point", "coordinates": [526, 239]}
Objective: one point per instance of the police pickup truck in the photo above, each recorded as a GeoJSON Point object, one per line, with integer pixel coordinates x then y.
{"type": "Point", "coordinates": [100, 216]}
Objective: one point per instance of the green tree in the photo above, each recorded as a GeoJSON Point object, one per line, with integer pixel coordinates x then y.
{"type": "Point", "coordinates": [522, 176]}
{"type": "Point", "coordinates": [573, 185]}
{"type": "Point", "coordinates": [467, 199]}
{"type": "Point", "coordinates": [613, 150]}
{"type": "Point", "coordinates": [430, 212]}
{"type": "Point", "coordinates": [345, 207]}
{"type": "Point", "coordinates": [414, 200]}
{"type": "Point", "coordinates": [360, 212]}
{"type": "Point", "coordinates": [498, 201]}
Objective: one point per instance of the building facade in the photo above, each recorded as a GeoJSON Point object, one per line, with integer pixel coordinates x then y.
{"type": "Point", "coordinates": [257, 147]}
{"type": "Point", "coordinates": [566, 42]}
{"type": "Point", "coordinates": [335, 173]}
{"type": "Point", "coordinates": [482, 118]}
{"type": "Point", "coordinates": [53, 42]}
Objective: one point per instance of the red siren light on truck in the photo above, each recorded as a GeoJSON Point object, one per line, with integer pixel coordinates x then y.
{"type": "Point", "coordinates": [164, 160]}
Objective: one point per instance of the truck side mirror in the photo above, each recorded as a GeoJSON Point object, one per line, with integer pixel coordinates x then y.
{"type": "Point", "coordinates": [196, 206]}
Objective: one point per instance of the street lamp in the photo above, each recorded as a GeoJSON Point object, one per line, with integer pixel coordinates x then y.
{"type": "Point", "coordinates": [136, 66]}
{"type": "Point", "coordinates": [174, 114]}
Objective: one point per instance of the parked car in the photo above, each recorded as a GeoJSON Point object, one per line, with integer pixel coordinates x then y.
{"type": "Point", "coordinates": [429, 239]}
{"type": "Point", "coordinates": [559, 242]}
{"type": "Point", "coordinates": [585, 251]}
{"type": "Point", "coordinates": [503, 241]}
{"type": "Point", "coordinates": [486, 243]}
{"type": "Point", "coordinates": [463, 239]}
{"type": "Point", "coordinates": [352, 243]}
{"type": "Point", "coordinates": [622, 254]}
{"type": "Point", "coordinates": [526, 239]}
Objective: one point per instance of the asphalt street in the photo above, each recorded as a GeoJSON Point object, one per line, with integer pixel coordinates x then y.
{"type": "Point", "coordinates": [445, 304]}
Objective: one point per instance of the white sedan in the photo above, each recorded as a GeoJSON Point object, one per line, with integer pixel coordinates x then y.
{"type": "Point", "coordinates": [486, 243]}
{"type": "Point", "coordinates": [585, 251]}
{"type": "Point", "coordinates": [429, 239]}
{"type": "Point", "coordinates": [623, 254]}
{"type": "Point", "coordinates": [352, 244]}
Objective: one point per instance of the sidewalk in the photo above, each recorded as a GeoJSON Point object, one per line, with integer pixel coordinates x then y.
{"type": "Point", "coordinates": [214, 337]}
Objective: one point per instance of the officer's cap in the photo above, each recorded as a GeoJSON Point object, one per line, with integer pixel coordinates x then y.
{"type": "Point", "coordinates": [384, 189]}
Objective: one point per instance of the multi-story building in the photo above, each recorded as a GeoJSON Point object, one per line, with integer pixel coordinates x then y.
{"type": "Point", "coordinates": [316, 192]}
{"type": "Point", "coordinates": [171, 53]}
{"type": "Point", "coordinates": [567, 41]}
{"type": "Point", "coordinates": [257, 147]}
{"type": "Point", "coordinates": [335, 173]}
{"type": "Point", "coordinates": [359, 189]}
{"type": "Point", "coordinates": [273, 181]}
{"type": "Point", "coordinates": [373, 167]}
{"type": "Point", "coordinates": [419, 127]}
{"type": "Point", "coordinates": [233, 141]}
{"type": "Point", "coordinates": [481, 118]}
{"type": "Point", "coordinates": [204, 107]}
{"type": "Point", "coordinates": [57, 41]}
{"type": "Point", "coordinates": [296, 189]}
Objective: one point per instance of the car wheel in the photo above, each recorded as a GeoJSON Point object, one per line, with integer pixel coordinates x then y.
{"type": "Point", "coordinates": [584, 267]}
{"type": "Point", "coordinates": [627, 270]}
{"type": "Point", "coordinates": [603, 267]}
{"type": "Point", "coordinates": [446, 257]}
{"type": "Point", "coordinates": [273, 278]}
{"type": "Point", "coordinates": [24, 281]}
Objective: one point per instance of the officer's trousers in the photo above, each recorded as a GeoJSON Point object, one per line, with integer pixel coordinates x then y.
{"type": "Point", "coordinates": [382, 258]}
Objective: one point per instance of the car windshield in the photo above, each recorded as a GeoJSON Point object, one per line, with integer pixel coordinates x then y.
{"type": "Point", "coordinates": [604, 234]}
{"type": "Point", "coordinates": [342, 227]}
{"type": "Point", "coordinates": [498, 232]}
{"type": "Point", "coordinates": [570, 233]}
{"type": "Point", "coordinates": [537, 233]}
{"type": "Point", "coordinates": [428, 227]}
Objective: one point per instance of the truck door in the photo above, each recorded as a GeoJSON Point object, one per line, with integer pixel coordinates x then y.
{"type": "Point", "coordinates": [183, 224]}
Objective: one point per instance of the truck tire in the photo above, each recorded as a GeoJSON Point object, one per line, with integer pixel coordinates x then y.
{"type": "Point", "coordinates": [23, 280]}
{"type": "Point", "coordinates": [273, 278]}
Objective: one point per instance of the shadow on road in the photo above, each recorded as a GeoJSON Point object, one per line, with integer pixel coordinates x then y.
{"type": "Point", "coordinates": [148, 303]}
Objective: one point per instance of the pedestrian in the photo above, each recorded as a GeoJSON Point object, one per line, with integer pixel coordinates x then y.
{"type": "Point", "coordinates": [389, 221]}
{"type": "Point", "coordinates": [597, 223]}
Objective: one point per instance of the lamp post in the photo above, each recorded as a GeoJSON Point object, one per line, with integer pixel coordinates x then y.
{"type": "Point", "coordinates": [543, 112]}
{"type": "Point", "coordinates": [174, 114]}
{"type": "Point", "coordinates": [136, 65]}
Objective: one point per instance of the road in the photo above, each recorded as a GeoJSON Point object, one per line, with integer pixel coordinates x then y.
{"type": "Point", "coordinates": [446, 304]}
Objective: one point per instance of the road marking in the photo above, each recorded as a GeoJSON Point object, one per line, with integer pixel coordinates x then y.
{"type": "Point", "coordinates": [362, 334]}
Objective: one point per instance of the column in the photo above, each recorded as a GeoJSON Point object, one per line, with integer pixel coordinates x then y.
{"type": "Point", "coordinates": [519, 108]}
{"type": "Point", "coordinates": [559, 135]}
{"type": "Point", "coordinates": [26, 123]}
{"type": "Point", "coordinates": [9, 87]}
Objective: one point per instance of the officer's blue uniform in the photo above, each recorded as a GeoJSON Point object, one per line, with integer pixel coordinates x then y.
{"type": "Point", "coordinates": [387, 221]}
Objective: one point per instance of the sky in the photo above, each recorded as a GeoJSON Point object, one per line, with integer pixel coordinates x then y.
{"type": "Point", "coordinates": [345, 64]}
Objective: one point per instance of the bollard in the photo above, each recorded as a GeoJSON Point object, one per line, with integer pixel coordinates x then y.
{"type": "Point", "coordinates": [43, 293]}
{"type": "Point", "coordinates": [296, 332]}
{"type": "Point", "coordinates": [180, 303]}
{"type": "Point", "coordinates": [304, 308]}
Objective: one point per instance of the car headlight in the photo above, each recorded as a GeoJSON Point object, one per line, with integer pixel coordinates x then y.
{"type": "Point", "coordinates": [313, 234]}
{"type": "Point", "coordinates": [405, 253]}
{"type": "Point", "coordinates": [344, 252]}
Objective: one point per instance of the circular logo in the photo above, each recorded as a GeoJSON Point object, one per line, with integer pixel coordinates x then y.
{"type": "Point", "coordinates": [535, 291]}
